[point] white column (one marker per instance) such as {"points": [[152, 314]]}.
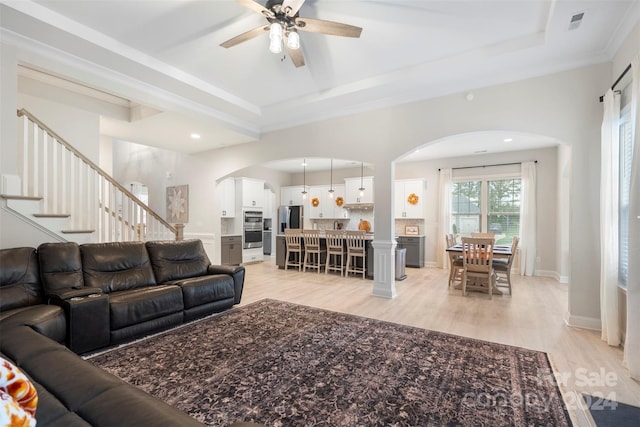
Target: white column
{"points": [[384, 244]]}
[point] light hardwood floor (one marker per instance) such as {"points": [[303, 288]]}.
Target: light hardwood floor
{"points": [[532, 318]]}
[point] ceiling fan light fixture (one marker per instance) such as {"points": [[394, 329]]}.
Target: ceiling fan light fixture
{"points": [[293, 40], [275, 38]]}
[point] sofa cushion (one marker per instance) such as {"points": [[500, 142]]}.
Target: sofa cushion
{"points": [[60, 266], [48, 320], [205, 289], [19, 279], [140, 305], [116, 266], [73, 392], [173, 260]]}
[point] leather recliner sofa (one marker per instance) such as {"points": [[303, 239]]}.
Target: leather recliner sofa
{"points": [[96, 295]]}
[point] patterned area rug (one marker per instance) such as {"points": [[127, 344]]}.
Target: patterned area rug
{"points": [[283, 364]]}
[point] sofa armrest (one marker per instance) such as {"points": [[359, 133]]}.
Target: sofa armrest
{"points": [[66, 294], [236, 272]]}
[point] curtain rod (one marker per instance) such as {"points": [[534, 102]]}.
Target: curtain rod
{"points": [[488, 166], [613, 86]]}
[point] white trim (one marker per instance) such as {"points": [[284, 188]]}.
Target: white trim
{"points": [[592, 323]]}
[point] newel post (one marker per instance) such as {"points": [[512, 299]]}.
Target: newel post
{"points": [[179, 231]]}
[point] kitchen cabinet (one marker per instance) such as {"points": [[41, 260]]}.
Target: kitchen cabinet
{"points": [[269, 204], [352, 190], [227, 192], [403, 208], [252, 255], [231, 253], [327, 208], [250, 192], [415, 250], [292, 196]]}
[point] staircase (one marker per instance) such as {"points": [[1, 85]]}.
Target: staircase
{"points": [[62, 192]]}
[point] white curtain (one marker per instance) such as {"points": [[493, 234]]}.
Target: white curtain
{"points": [[444, 214], [632, 340], [609, 176], [528, 219]]}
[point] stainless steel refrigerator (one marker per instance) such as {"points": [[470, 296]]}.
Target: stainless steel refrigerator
{"points": [[290, 217]]}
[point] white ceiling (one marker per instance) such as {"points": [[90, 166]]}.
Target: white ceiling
{"points": [[165, 54]]}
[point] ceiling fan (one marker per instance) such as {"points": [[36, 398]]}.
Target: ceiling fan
{"points": [[284, 24]]}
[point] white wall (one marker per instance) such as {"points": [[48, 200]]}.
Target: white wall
{"points": [[78, 127]]}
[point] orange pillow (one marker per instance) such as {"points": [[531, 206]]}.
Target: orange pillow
{"points": [[18, 397]]}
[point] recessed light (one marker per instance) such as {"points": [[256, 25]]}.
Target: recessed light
{"points": [[195, 135], [508, 139]]}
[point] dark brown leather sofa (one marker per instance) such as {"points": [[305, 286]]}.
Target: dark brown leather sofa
{"points": [[96, 295]]}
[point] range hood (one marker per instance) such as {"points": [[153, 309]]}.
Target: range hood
{"points": [[358, 206]]}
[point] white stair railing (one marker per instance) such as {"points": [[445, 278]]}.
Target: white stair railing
{"points": [[72, 185]]}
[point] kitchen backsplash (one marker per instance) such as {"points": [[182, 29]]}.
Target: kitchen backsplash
{"points": [[347, 224]]}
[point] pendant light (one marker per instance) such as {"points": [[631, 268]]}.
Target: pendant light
{"points": [[331, 181], [304, 179], [361, 180]]}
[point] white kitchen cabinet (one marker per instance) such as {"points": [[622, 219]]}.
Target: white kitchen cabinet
{"points": [[269, 204], [227, 202], [318, 193], [403, 190], [251, 192], [252, 255], [352, 190], [327, 208], [292, 196], [338, 211]]}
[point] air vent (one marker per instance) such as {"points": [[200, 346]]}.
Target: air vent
{"points": [[576, 20]]}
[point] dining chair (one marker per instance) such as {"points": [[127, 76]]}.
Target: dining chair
{"points": [[502, 267], [356, 250], [484, 235], [335, 251], [454, 259], [477, 259], [293, 240], [312, 250]]}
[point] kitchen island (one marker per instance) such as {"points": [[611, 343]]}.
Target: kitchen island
{"points": [[281, 252]]}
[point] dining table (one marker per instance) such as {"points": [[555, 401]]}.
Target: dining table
{"points": [[499, 251]]}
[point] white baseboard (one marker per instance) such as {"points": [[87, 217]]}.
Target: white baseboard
{"points": [[582, 322]]}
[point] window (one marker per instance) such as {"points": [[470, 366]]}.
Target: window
{"points": [[626, 150], [487, 205]]}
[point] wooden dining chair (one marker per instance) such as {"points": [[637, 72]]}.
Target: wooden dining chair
{"points": [[484, 235], [312, 250], [455, 260], [477, 259], [293, 240], [335, 251], [356, 250], [502, 267]]}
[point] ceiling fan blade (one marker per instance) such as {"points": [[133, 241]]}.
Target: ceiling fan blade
{"points": [[296, 57], [256, 7], [245, 36], [291, 7], [328, 27]]}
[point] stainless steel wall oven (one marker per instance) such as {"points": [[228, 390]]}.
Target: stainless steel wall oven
{"points": [[252, 229]]}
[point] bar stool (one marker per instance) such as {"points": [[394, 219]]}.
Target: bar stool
{"points": [[356, 249], [293, 239], [312, 250], [335, 249]]}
